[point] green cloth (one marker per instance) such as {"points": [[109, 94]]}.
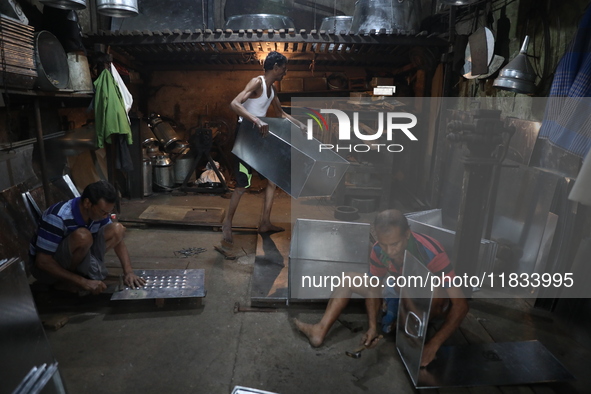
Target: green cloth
{"points": [[109, 110]]}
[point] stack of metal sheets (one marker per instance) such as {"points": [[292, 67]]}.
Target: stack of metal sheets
{"points": [[17, 50]]}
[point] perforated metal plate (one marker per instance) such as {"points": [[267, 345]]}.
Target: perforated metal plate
{"points": [[166, 284]]}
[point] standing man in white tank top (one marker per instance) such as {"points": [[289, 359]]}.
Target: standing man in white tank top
{"points": [[250, 104]]}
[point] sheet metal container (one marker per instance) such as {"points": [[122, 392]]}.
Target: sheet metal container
{"points": [[289, 159], [396, 16], [321, 247], [430, 223]]}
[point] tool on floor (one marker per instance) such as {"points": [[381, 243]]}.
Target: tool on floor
{"points": [[357, 352], [238, 308], [187, 252], [350, 326]]}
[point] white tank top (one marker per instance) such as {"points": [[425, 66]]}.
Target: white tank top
{"points": [[259, 106]]}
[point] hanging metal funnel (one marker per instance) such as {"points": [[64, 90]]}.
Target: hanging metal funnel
{"points": [[518, 76]]}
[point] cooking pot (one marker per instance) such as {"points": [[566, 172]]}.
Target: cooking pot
{"points": [[396, 16], [259, 21], [117, 8], [337, 23], [52, 62]]}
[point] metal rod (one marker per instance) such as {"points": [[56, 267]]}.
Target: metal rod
{"points": [[41, 144]]}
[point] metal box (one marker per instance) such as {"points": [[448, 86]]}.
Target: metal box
{"points": [[286, 157], [322, 248]]}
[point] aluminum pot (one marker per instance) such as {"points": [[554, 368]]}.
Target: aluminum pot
{"points": [[117, 8], [163, 171], [259, 21], [52, 62], [396, 16], [65, 4], [337, 23]]}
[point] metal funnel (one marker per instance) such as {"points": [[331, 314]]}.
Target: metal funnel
{"points": [[518, 76]]}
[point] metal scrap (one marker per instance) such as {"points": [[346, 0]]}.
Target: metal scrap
{"points": [[188, 252]]}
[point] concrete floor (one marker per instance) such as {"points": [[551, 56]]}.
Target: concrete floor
{"points": [[185, 347]]}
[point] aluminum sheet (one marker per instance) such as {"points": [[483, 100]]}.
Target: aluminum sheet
{"points": [[492, 364], [289, 159], [189, 283], [413, 317], [524, 200], [320, 248], [22, 338], [430, 223]]}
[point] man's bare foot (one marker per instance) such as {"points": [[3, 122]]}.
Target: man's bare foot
{"points": [[270, 228], [227, 233], [311, 331]]}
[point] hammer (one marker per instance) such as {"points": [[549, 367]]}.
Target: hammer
{"points": [[357, 352]]}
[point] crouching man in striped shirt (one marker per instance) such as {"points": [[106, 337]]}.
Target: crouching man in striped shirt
{"points": [[72, 239], [394, 237]]}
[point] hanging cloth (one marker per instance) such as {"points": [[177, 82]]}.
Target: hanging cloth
{"points": [[127, 97], [567, 118], [109, 109]]}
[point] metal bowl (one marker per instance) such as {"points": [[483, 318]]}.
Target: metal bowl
{"points": [[65, 4], [259, 21], [337, 23], [52, 62]]}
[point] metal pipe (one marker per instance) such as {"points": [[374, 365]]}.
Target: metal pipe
{"points": [[41, 144]]}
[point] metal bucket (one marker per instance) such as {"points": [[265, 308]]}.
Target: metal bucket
{"points": [[182, 166], [52, 62], [117, 8], [163, 171], [80, 80], [396, 16], [65, 4], [337, 23]]}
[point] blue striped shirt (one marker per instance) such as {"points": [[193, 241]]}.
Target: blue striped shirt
{"points": [[59, 221]]}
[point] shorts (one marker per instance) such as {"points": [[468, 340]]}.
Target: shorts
{"points": [[243, 171], [92, 267]]}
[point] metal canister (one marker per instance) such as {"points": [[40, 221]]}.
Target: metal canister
{"points": [[166, 135], [147, 174], [163, 171]]}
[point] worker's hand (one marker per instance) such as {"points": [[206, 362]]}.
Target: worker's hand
{"points": [[370, 339], [95, 286], [133, 281], [262, 126], [429, 352]]}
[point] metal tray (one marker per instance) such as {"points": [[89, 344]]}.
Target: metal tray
{"points": [[166, 284], [289, 159]]}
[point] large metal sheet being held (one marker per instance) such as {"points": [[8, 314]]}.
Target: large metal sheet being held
{"points": [[321, 248], [189, 283], [287, 158]]}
